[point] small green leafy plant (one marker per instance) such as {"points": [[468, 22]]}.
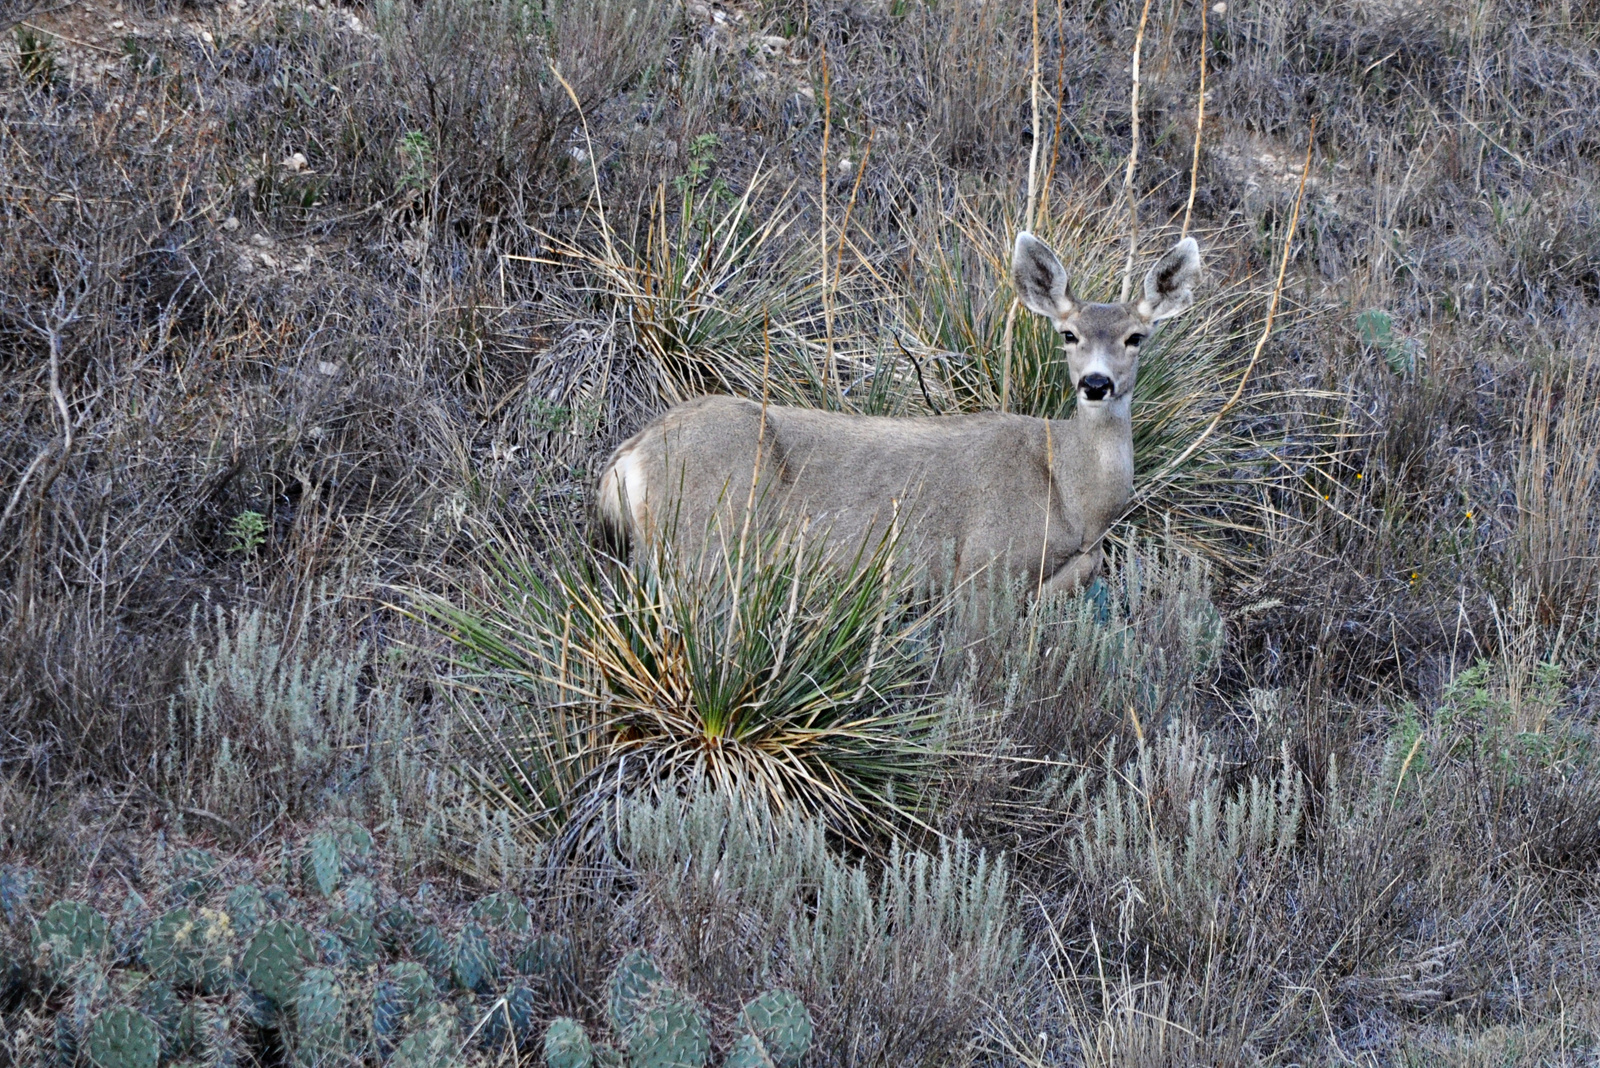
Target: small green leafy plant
{"points": [[416, 160], [1377, 332], [36, 58], [247, 532]]}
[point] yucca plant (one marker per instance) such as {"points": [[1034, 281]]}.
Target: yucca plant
{"points": [[716, 302], [764, 667]]}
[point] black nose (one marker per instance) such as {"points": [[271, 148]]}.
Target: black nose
{"points": [[1095, 387]]}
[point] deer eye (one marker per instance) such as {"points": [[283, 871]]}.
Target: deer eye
{"points": [[1069, 337], [1136, 340]]}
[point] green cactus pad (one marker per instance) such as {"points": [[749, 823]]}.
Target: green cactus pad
{"points": [[473, 965], [360, 940], [159, 1002], [397, 926], [203, 1031], [320, 865], [503, 912], [511, 1019], [430, 947], [780, 1020], [16, 891], [748, 1052], [68, 933], [633, 981], [122, 1038], [196, 872], [566, 1045], [413, 982], [433, 1046], [358, 895], [668, 1031], [355, 841], [276, 958], [319, 1009], [246, 907], [547, 957], [189, 947]]}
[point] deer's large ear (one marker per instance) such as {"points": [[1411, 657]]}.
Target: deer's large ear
{"points": [[1040, 279], [1169, 287]]}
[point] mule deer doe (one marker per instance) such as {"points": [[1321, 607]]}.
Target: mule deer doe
{"points": [[1029, 497]]}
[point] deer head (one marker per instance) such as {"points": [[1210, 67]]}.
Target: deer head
{"points": [[1102, 340]]}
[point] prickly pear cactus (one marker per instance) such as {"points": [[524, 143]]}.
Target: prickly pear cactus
{"points": [[634, 980], [319, 1009], [68, 933], [277, 957], [160, 1004], [511, 1020], [354, 840], [547, 957], [16, 890], [205, 1032], [355, 931], [122, 1038], [196, 872], [414, 983], [473, 965], [780, 1020], [246, 907], [434, 952], [668, 1031], [748, 1052], [397, 927], [321, 865], [359, 896], [566, 1045], [190, 947], [433, 1046], [502, 912]]}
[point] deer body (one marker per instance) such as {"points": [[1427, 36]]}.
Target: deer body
{"points": [[1015, 496]]}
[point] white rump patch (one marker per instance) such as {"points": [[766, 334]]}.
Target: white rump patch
{"points": [[623, 492]]}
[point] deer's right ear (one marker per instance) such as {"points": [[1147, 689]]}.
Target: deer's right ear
{"points": [[1040, 279]]}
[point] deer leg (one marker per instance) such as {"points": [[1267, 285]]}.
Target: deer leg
{"points": [[1075, 574]]}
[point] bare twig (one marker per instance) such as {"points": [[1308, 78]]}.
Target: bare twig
{"points": [[1061, 99], [1199, 125], [594, 171], [1033, 156], [1266, 330], [1033, 195], [916, 365], [844, 226], [829, 370], [1133, 160]]}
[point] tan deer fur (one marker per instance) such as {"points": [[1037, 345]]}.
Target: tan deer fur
{"points": [[1016, 496]]}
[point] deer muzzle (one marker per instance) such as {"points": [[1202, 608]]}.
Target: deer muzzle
{"points": [[1096, 387]]}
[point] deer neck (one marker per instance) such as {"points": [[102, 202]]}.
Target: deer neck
{"points": [[1106, 428], [1103, 458]]}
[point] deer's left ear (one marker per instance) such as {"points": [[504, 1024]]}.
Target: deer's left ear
{"points": [[1169, 287]]}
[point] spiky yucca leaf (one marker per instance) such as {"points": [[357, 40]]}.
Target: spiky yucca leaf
{"points": [[772, 669]]}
